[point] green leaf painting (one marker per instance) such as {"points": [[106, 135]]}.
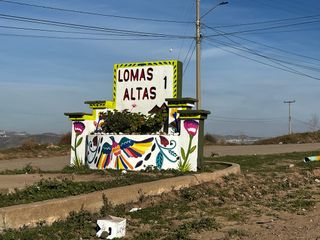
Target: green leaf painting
{"points": [[79, 142], [192, 149], [183, 154]]}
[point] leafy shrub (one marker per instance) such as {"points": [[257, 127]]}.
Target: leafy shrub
{"points": [[209, 138], [129, 123], [65, 139], [29, 144]]}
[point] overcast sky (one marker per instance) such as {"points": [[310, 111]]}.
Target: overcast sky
{"points": [[255, 55]]}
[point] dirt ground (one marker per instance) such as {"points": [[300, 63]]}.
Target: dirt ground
{"points": [[271, 202], [268, 220], [275, 197]]}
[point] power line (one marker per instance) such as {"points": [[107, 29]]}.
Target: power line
{"points": [[278, 61], [268, 46], [190, 47], [81, 38], [264, 28], [183, 40], [94, 13], [191, 55], [87, 27], [264, 63], [56, 31], [266, 22]]}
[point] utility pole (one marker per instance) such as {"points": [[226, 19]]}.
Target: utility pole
{"points": [[289, 103], [198, 57], [198, 48]]}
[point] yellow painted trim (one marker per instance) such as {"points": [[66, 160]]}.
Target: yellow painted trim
{"points": [[88, 117], [111, 104], [76, 119], [190, 117], [181, 105], [103, 105]]}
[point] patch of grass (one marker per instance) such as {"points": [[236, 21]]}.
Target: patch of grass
{"points": [[188, 194], [294, 201], [49, 189], [235, 216], [183, 231], [236, 232], [76, 226], [151, 214], [148, 235], [264, 163]]}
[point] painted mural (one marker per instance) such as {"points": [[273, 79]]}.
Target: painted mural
{"points": [[191, 126], [78, 128], [132, 152]]}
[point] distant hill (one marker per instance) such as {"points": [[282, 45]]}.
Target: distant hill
{"points": [[230, 139], [16, 139], [306, 137]]}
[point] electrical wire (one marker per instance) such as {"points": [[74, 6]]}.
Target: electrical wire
{"points": [[191, 55], [82, 38], [94, 13], [267, 22], [57, 31], [274, 60], [186, 57], [264, 63], [268, 46], [279, 61], [87, 27], [183, 40], [265, 28]]}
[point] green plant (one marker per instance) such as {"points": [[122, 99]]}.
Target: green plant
{"points": [[234, 232], [183, 231], [106, 207], [29, 144], [65, 139], [129, 123], [210, 139], [148, 235]]}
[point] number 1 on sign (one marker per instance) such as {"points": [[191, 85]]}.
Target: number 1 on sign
{"points": [[165, 82]]}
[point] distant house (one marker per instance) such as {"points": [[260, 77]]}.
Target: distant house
{"points": [[3, 134]]}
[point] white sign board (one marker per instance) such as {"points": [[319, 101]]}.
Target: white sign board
{"points": [[139, 87]]}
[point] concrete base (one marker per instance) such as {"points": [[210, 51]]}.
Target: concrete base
{"points": [[55, 209]]}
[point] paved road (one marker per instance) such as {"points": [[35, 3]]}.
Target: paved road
{"points": [[8, 183], [57, 163], [259, 149]]}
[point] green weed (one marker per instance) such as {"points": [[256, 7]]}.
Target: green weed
{"points": [[235, 232]]}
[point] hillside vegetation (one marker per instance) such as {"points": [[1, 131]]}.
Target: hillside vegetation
{"points": [[306, 137]]}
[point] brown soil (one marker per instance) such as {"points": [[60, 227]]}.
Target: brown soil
{"points": [[254, 205], [37, 151]]}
